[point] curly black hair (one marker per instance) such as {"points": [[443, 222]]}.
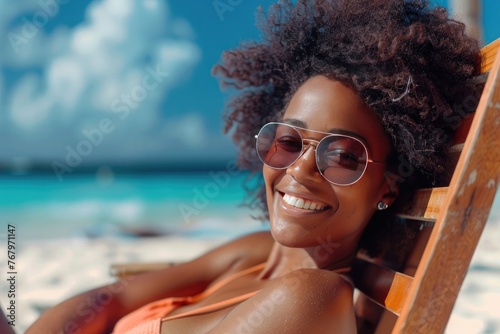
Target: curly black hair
{"points": [[408, 61]]}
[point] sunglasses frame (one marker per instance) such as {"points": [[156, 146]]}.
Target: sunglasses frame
{"points": [[305, 148]]}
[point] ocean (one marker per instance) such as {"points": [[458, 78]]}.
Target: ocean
{"points": [[104, 204]]}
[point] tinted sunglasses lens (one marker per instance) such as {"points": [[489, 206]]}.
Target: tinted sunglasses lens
{"points": [[278, 145], [341, 160]]}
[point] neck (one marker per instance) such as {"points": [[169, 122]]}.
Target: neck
{"points": [[283, 260], [343, 262]]}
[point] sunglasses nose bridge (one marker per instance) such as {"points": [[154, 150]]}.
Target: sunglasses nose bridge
{"points": [[305, 166], [306, 145]]}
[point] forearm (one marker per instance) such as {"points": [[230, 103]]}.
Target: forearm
{"points": [[89, 312]]}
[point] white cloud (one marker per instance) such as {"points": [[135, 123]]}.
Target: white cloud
{"points": [[3, 114], [84, 70], [66, 83], [27, 107], [188, 130]]}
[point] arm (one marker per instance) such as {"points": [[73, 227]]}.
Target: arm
{"points": [[303, 301], [97, 310]]}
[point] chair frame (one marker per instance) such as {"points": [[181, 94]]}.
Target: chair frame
{"points": [[459, 225], [421, 296]]}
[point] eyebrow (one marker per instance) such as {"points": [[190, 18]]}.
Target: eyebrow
{"points": [[301, 124]]}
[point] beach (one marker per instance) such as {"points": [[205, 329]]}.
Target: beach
{"points": [[50, 271]]}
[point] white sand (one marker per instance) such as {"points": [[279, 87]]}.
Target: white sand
{"points": [[477, 308], [51, 271]]}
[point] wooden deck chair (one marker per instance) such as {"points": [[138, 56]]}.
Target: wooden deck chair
{"points": [[419, 299]]}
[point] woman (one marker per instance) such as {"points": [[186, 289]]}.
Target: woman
{"points": [[342, 95]]}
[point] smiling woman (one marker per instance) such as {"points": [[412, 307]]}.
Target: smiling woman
{"points": [[343, 92]]}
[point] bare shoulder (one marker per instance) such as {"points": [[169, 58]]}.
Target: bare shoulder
{"points": [[261, 238], [302, 301], [307, 281], [316, 292]]}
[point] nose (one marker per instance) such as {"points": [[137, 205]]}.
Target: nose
{"points": [[305, 168]]}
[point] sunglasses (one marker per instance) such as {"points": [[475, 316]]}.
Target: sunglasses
{"points": [[341, 159]]}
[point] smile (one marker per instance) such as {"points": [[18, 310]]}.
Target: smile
{"points": [[301, 203]]}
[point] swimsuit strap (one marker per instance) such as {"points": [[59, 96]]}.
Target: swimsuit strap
{"points": [[213, 307], [226, 280]]}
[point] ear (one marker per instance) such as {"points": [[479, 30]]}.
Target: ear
{"points": [[390, 188]]}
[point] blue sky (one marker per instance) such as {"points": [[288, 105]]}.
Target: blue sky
{"points": [[121, 81]]}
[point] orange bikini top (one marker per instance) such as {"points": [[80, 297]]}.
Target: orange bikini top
{"points": [[148, 319]]}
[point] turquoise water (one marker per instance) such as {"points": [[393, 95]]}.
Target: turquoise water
{"points": [[105, 203]]}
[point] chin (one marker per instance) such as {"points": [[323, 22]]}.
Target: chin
{"points": [[290, 236]]}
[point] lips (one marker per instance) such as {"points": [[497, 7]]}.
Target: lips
{"points": [[302, 203]]}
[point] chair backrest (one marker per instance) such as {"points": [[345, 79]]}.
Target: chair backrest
{"points": [[420, 297]]}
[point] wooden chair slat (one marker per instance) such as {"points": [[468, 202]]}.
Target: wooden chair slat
{"points": [[398, 292], [384, 286], [426, 204], [489, 53]]}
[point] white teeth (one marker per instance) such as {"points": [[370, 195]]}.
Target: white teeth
{"points": [[301, 203]]}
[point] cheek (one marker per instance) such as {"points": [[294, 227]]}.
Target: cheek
{"points": [[359, 202], [355, 211], [270, 178]]}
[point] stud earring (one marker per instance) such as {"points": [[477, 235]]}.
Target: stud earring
{"points": [[382, 206]]}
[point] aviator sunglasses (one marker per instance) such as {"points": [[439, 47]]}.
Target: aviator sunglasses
{"points": [[341, 159]]}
